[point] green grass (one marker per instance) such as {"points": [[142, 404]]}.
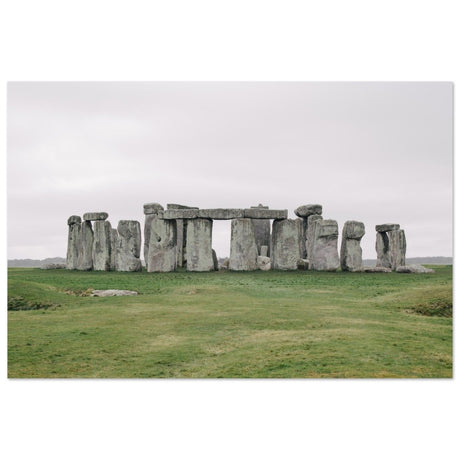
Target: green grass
{"points": [[224, 324]]}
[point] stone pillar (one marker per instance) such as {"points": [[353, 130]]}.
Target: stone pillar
{"points": [[73, 242], [128, 246], [304, 212], [162, 246], [310, 234], [150, 210], [243, 247], [351, 254], [199, 245], [397, 248], [382, 245], [262, 231], [285, 244], [85, 259], [324, 255], [102, 248], [113, 245]]}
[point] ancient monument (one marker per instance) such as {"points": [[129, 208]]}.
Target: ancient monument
{"points": [[261, 239]]}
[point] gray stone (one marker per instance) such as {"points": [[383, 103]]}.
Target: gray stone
{"points": [[382, 247], [162, 246], [397, 240], [102, 249], [414, 268], [113, 244], [53, 266], [308, 210], [179, 206], [285, 250], [152, 208], [95, 216], [324, 255], [85, 258], [180, 214], [310, 233], [73, 242], [386, 227], [262, 232], [224, 264], [199, 248], [243, 248], [264, 251], [351, 254], [377, 269], [258, 213], [128, 249], [215, 260], [264, 263], [220, 214], [111, 292]]}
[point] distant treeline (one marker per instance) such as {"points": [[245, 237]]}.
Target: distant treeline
{"points": [[418, 260], [34, 263]]}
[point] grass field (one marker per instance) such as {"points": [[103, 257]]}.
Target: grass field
{"points": [[226, 324]]}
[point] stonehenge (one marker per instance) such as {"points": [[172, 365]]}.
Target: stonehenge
{"points": [[180, 237]]}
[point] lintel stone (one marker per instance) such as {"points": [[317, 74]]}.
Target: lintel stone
{"points": [[386, 227], [95, 216]]}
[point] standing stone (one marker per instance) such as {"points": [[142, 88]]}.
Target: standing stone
{"points": [[285, 244], [264, 251], [382, 247], [199, 245], [128, 246], [351, 254], [150, 210], [304, 212], [243, 247], [310, 234], [73, 242], [113, 244], [85, 259], [264, 263], [397, 240], [325, 256], [102, 249], [262, 231], [215, 260], [162, 246]]}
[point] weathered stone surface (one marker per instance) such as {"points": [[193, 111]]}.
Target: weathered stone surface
{"points": [[285, 250], [303, 225], [215, 260], [113, 244], [243, 248], [85, 258], [128, 247], [95, 216], [162, 246], [310, 234], [199, 249], [386, 227], [152, 208], [73, 242], [302, 264], [308, 210], [74, 220], [224, 264], [180, 214], [350, 251], [179, 206], [324, 255], [414, 268], [262, 232], [377, 269], [53, 266], [264, 263], [264, 251], [220, 214], [397, 241], [111, 292], [258, 213], [382, 247], [102, 249]]}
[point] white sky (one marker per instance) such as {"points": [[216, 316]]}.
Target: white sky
{"points": [[373, 152]]}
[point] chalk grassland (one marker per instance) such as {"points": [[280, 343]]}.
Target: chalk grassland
{"points": [[224, 324]]}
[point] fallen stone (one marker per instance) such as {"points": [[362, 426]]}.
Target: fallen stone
{"points": [[414, 268], [243, 248], [102, 249], [351, 259], [152, 208], [264, 263], [324, 255], [95, 216], [73, 242], [128, 248], [85, 257], [386, 227], [111, 292], [308, 210], [377, 270], [285, 248], [199, 249], [53, 266]]}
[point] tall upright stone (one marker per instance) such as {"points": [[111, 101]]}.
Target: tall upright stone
{"points": [[243, 247], [285, 244], [199, 245], [304, 212], [162, 246], [261, 231], [85, 258], [151, 210], [325, 256], [351, 254], [113, 244], [310, 234], [382, 247], [73, 242], [128, 246], [102, 248], [397, 240]]}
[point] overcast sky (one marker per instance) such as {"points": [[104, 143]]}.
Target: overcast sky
{"points": [[373, 152]]}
